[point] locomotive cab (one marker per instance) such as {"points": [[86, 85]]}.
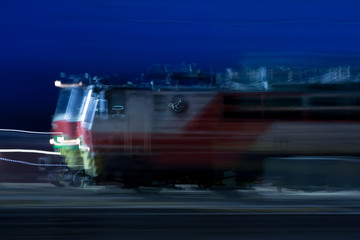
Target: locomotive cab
{"points": [[74, 114], [67, 111]]}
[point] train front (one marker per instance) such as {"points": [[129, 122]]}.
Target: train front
{"points": [[71, 124]]}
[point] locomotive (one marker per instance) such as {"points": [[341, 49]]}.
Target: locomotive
{"points": [[142, 135]]}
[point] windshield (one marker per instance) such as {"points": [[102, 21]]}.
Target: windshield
{"points": [[62, 103], [69, 103]]}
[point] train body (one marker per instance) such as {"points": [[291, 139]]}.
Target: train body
{"points": [[140, 135]]}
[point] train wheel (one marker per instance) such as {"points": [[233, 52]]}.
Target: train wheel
{"points": [[55, 179], [80, 179]]}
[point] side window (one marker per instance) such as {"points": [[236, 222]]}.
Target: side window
{"points": [[243, 107], [263, 107], [283, 102], [339, 107], [283, 108], [333, 101]]}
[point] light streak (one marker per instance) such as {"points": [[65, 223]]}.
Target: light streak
{"points": [[86, 148], [38, 164], [29, 151], [86, 105], [25, 131], [63, 85], [61, 141]]}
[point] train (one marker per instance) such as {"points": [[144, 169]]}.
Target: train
{"points": [[198, 134]]}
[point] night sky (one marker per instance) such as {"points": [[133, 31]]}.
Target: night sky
{"points": [[41, 38]]}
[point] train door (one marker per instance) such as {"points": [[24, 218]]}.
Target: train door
{"points": [[128, 125], [116, 126], [139, 107]]}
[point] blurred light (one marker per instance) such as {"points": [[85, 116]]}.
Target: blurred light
{"points": [[85, 148], [38, 164], [86, 105], [24, 131], [29, 151], [63, 85], [62, 141]]}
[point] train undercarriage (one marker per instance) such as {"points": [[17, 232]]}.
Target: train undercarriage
{"points": [[293, 172], [62, 176]]}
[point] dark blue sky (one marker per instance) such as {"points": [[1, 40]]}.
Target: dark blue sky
{"points": [[39, 39]]}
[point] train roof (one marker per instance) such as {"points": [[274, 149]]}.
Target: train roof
{"points": [[353, 87], [183, 81]]}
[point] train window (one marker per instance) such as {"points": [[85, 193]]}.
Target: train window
{"points": [[263, 108], [283, 102], [238, 107], [243, 114], [74, 104], [243, 101], [69, 103], [63, 100], [330, 101], [343, 114], [284, 115]]}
